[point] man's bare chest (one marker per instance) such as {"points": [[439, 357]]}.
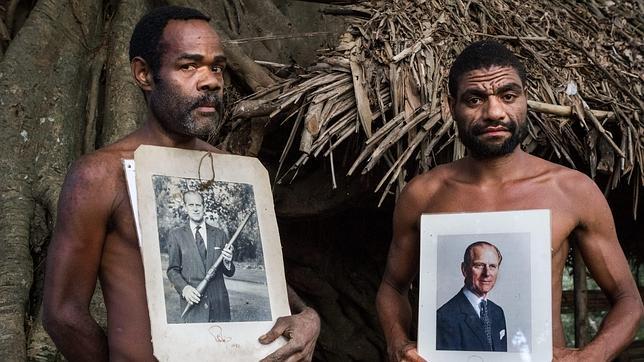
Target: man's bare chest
{"points": [[563, 218]]}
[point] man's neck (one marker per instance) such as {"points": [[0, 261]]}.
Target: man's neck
{"points": [[194, 224], [496, 170], [484, 296], [154, 134]]}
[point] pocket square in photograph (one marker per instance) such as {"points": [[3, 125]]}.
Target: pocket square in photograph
{"points": [[217, 248], [502, 334]]}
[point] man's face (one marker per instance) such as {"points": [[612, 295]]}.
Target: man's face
{"points": [[194, 205], [186, 97], [480, 275], [490, 110]]}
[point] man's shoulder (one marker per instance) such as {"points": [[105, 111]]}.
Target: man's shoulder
{"points": [[494, 305], [571, 183], [99, 168], [452, 305], [541, 166], [111, 156], [216, 231], [212, 227], [430, 182], [179, 229]]}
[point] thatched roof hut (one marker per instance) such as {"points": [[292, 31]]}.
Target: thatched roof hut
{"points": [[385, 87]]}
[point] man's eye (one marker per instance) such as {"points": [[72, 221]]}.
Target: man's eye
{"points": [[509, 97], [188, 66], [474, 101], [217, 69]]}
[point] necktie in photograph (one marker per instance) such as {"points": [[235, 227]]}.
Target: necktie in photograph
{"points": [[201, 246], [487, 325]]}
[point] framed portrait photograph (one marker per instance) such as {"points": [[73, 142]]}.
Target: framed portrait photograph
{"points": [[211, 252], [485, 288]]}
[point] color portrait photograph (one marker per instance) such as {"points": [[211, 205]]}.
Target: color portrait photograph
{"points": [[483, 292], [485, 286]]}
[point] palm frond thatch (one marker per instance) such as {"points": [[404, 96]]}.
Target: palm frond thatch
{"points": [[385, 83]]}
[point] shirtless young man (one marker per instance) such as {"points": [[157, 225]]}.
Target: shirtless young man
{"points": [[488, 103], [178, 61]]}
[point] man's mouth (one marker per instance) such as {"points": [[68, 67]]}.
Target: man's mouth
{"points": [[206, 109], [494, 130]]}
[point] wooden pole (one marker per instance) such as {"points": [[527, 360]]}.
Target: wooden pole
{"points": [[581, 299]]}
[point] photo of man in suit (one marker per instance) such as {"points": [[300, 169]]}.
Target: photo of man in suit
{"points": [[470, 321], [192, 250]]}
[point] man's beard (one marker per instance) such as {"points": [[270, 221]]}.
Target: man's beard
{"points": [[175, 112], [481, 149]]}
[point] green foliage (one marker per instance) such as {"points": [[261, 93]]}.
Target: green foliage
{"points": [[225, 203]]}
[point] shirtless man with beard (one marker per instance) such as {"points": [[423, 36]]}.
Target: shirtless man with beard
{"points": [[487, 86], [178, 61]]}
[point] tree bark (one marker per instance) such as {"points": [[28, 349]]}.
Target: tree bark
{"points": [[40, 136], [124, 102]]}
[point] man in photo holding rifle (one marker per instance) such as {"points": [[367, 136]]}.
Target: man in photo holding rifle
{"points": [[192, 250]]}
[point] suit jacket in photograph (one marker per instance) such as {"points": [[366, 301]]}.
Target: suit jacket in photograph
{"points": [[185, 267], [459, 328]]}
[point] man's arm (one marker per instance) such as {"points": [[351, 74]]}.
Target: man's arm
{"points": [[597, 240], [175, 267], [504, 339], [73, 261], [392, 302], [301, 330], [175, 262], [447, 335]]}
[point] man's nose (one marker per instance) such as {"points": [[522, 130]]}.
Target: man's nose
{"points": [[494, 109], [211, 81]]}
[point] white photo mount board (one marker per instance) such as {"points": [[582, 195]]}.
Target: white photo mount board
{"points": [[536, 223], [230, 341]]}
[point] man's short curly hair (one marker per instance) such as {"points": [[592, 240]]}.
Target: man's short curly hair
{"points": [[146, 37], [482, 55]]}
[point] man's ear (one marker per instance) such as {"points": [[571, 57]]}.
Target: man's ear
{"points": [[142, 73], [451, 101], [463, 269]]}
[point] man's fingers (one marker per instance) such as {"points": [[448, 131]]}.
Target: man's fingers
{"points": [[191, 295], [289, 349], [297, 357], [275, 332], [410, 354]]}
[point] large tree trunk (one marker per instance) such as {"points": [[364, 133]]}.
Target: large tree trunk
{"points": [[124, 102], [44, 77]]}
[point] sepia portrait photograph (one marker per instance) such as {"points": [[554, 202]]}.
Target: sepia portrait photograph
{"points": [[482, 287], [214, 273], [196, 228]]}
